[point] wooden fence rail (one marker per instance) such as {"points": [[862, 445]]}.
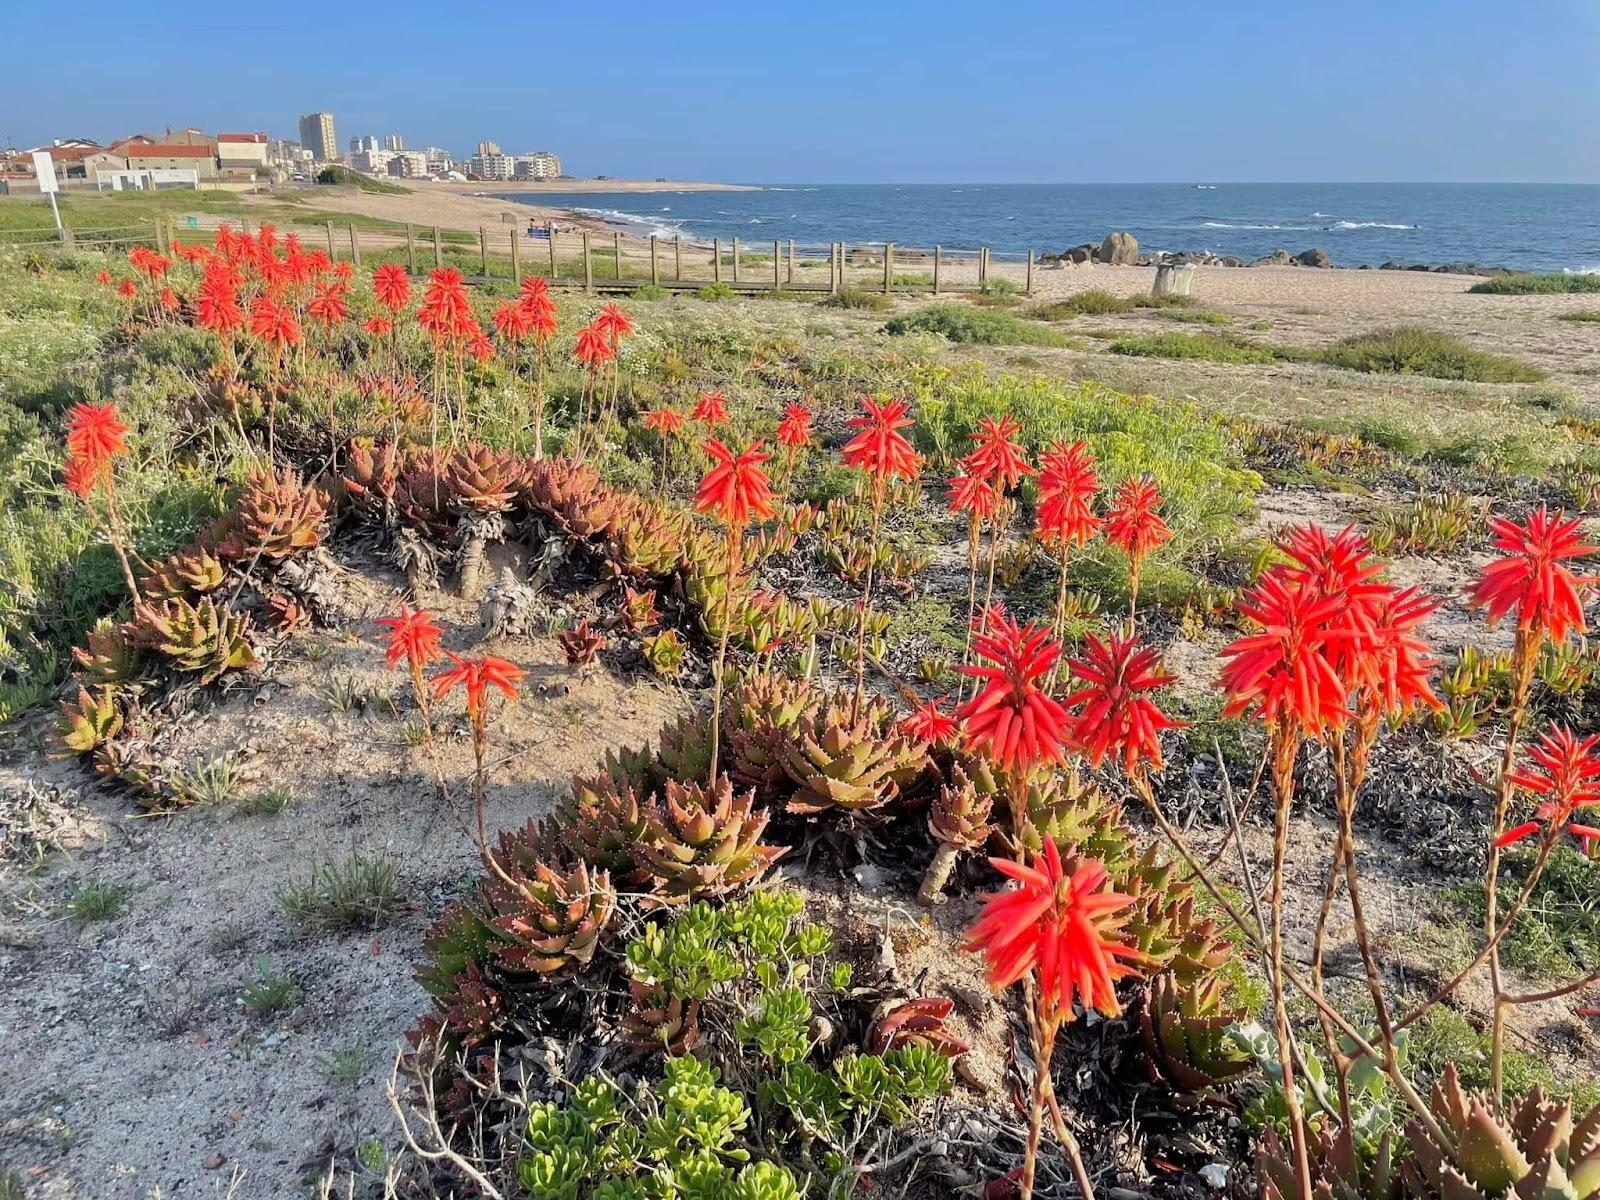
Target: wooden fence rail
{"points": [[572, 260]]}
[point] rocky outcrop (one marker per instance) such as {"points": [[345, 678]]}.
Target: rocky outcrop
{"points": [[1119, 249], [1278, 258], [1314, 257]]}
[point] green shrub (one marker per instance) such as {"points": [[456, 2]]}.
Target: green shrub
{"points": [[962, 323], [1591, 315], [359, 892], [1409, 350], [649, 291], [1194, 462], [1207, 347], [1197, 316], [715, 291], [1537, 284], [336, 174], [1095, 302], [852, 297]]}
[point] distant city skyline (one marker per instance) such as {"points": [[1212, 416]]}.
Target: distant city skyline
{"points": [[893, 92]]}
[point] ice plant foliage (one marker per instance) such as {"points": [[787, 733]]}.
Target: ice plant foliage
{"points": [[1565, 773], [1532, 580], [1014, 719], [1115, 716]]}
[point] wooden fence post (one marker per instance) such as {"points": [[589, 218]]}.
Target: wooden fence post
{"points": [[550, 239], [983, 268], [438, 248], [655, 264], [791, 260], [355, 245], [411, 248], [833, 267], [736, 260], [332, 251], [1028, 286], [716, 260], [777, 265], [516, 255], [616, 253], [888, 267], [938, 261], [588, 264], [677, 256], [483, 248]]}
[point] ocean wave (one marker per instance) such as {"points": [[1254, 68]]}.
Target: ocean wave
{"points": [[1248, 225], [1368, 225], [651, 226]]}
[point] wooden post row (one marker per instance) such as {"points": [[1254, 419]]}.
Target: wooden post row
{"points": [[777, 265], [938, 261], [355, 246], [516, 255], [411, 248], [438, 249], [588, 264]]}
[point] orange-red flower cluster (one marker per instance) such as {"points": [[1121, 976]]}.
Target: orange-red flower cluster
{"points": [[593, 348], [1566, 773], [1115, 716], [666, 420], [972, 495], [996, 456], [1133, 522], [391, 286], [794, 430], [1532, 579], [1331, 633], [478, 675], [414, 637], [735, 489], [880, 449], [95, 437], [929, 723], [1067, 487], [1013, 719], [1064, 927], [711, 409]]}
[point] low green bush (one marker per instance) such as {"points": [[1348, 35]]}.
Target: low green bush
{"points": [[1410, 350], [1537, 284], [1207, 347], [963, 323]]}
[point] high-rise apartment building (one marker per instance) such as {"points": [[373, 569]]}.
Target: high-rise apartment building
{"points": [[317, 136], [393, 141]]}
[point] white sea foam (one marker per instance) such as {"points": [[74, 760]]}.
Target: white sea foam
{"points": [[1369, 225]]}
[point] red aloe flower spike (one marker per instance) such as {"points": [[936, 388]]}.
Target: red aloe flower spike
{"points": [[412, 636], [1531, 579], [666, 420], [996, 456], [735, 489], [711, 409], [1566, 772], [95, 434], [1115, 716], [929, 723], [1285, 671], [794, 431], [1134, 525], [1015, 721], [478, 675], [880, 449], [1061, 927]]}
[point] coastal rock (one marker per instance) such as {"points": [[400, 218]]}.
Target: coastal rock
{"points": [[1278, 258], [1080, 254], [1228, 260], [1119, 249], [1314, 257]]}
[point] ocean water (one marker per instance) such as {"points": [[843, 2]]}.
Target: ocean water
{"points": [[1536, 226]]}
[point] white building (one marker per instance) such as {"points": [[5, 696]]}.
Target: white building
{"points": [[393, 141], [359, 145], [492, 166], [541, 164], [440, 161]]}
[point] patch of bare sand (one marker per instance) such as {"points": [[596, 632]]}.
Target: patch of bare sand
{"points": [[130, 1066]]}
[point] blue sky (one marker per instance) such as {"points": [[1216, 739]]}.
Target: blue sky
{"points": [[868, 91]]}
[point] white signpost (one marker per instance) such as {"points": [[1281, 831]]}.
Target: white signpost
{"points": [[44, 168]]}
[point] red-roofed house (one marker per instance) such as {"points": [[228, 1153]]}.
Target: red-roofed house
{"points": [[241, 155], [159, 157]]}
